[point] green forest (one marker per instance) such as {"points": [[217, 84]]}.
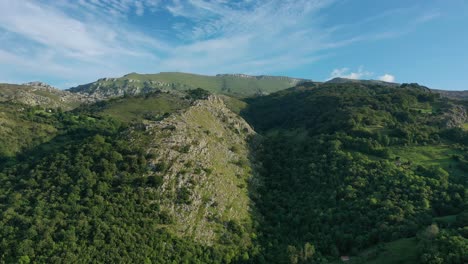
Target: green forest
{"points": [[339, 176], [82, 196], [373, 172]]}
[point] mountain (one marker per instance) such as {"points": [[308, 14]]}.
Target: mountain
{"points": [[347, 166], [40, 94], [239, 85], [171, 168], [144, 187], [462, 95], [367, 82]]}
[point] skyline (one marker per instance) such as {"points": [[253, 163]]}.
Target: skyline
{"points": [[66, 43]]}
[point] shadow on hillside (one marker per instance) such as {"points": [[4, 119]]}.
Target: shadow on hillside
{"points": [[54, 145]]}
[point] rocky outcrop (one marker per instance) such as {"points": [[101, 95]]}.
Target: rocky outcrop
{"points": [[111, 87], [41, 85], [41, 94], [458, 95], [455, 116], [202, 155]]}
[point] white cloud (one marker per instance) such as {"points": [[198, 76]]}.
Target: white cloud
{"points": [[359, 74], [51, 28], [387, 78], [250, 36], [83, 40], [346, 73], [42, 39], [222, 36], [213, 18]]}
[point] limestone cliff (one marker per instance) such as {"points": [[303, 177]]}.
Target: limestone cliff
{"points": [[202, 155]]}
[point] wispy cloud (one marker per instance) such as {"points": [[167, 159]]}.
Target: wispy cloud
{"points": [[346, 73], [248, 36], [47, 27], [120, 8], [43, 38], [81, 40]]}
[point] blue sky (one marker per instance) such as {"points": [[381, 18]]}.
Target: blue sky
{"points": [[70, 42]]}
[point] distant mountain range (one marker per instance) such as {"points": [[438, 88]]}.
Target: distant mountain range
{"points": [[375, 82], [236, 85], [240, 85]]}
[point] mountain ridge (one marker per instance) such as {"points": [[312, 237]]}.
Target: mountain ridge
{"points": [[237, 85], [240, 85]]}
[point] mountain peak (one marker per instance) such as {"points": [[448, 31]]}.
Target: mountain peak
{"points": [[38, 84], [347, 80], [260, 77]]}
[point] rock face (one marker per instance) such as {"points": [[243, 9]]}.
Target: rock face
{"points": [[41, 85], [202, 155], [459, 95], [111, 87], [41, 94], [231, 84], [455, 116]]}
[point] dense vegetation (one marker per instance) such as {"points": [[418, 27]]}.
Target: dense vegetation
{"points": [[84, 194], [370, 171], [19, 130], [333, 184]]}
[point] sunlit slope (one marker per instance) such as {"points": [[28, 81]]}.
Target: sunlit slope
{"points": [[237, 85]]}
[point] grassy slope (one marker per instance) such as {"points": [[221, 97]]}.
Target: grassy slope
{"points": [[447, 220], [23, 127], [402, 251], [139, 108], [231, 85], [18, 133], [234, 104], [431, 155]]}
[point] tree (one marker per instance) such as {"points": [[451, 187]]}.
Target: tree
{"points": [[309, 251], [24, 260], [293, 254], [431, 232]]}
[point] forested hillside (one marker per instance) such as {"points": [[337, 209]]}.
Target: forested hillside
{"points": [[112, 182], [368, 170], [350, 166]]}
